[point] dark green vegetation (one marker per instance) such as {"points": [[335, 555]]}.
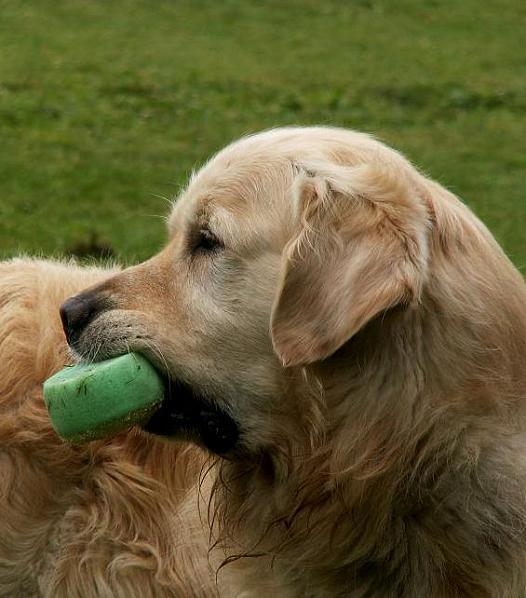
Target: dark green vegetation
{"points": [[106, 106]]}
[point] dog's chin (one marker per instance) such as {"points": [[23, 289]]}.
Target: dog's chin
{"points": [[186, 415]]}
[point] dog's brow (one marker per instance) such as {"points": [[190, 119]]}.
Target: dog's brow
{"points": [[200, 218], [185, 216], [204, 217]]}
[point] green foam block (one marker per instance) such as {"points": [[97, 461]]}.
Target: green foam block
{"points": [[89, 401]]}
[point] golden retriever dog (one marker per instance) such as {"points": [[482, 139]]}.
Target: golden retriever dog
{"points": [[101, 520], [343, 345]]}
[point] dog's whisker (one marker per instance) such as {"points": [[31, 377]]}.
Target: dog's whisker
{"points": [[157, 352]]}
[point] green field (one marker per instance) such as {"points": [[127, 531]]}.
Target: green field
{"points": [[105, 106]]}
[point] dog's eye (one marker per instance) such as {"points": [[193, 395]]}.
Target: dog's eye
{"points": [[206, 242]]}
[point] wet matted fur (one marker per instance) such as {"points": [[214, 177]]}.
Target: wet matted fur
{"points": [[367, 336]]}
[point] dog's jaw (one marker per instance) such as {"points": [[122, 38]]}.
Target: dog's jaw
{"points": [[185, 415]]}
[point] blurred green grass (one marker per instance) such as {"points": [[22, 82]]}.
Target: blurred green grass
{"points": [[105, 107]]}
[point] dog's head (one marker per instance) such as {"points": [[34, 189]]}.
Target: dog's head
{"points": [[281, 249]]}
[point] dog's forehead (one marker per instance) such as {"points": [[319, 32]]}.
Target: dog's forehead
{"points": [[204, 204], [234, 189]]}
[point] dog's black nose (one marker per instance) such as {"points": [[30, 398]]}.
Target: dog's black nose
{"points": [[76, 312]]}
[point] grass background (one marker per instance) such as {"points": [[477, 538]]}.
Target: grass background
{"points": [[105, 106]]}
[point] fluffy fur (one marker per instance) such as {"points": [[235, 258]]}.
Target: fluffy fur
{"points": [[367, 334], [105, 519]]}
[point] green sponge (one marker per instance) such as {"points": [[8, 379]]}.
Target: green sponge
{"points": [[89, 401]]}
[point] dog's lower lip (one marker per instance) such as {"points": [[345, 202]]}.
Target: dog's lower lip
{"points": [[186, 415]]}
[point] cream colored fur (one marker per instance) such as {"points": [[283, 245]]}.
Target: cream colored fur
{"points": [[106, 519], [368, 335]]}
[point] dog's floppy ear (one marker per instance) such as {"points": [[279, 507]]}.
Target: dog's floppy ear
{"points": [[360, 249]]}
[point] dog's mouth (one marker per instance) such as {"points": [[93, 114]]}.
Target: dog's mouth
{"points": [[185, 414]]}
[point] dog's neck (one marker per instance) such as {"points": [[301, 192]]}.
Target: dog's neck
{"points": [[312, 509], [397, 421]]}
